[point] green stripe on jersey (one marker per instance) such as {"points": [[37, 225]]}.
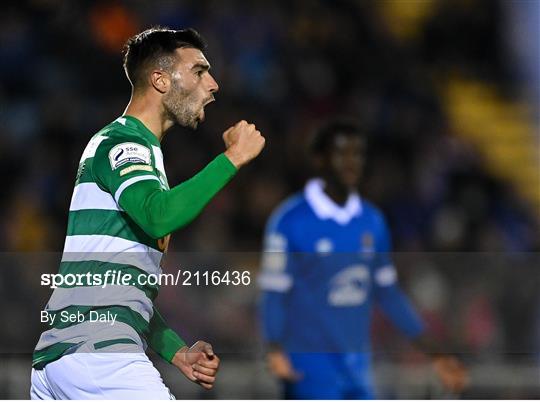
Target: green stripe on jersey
{"points": [[94, 268], [84, 173], [123, 314], [107, 222], [104, 344], [50, 354]]}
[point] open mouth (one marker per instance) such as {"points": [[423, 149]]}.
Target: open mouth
{"points": [[206, 102]]}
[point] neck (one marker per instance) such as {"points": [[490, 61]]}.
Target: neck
{"points": [[150, 113], [338, 193]]}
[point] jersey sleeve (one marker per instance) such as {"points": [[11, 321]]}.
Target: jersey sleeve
{"points": [[277, 263], [121, 162], [276, 278], [393, 301], [162, 339], [139, 191]]}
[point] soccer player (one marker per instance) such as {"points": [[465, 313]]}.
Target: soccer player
{"points": [[325, 265], [120, 218]]}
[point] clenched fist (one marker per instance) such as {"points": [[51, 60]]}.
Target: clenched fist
{"points": [[199, 363], [452, 373], [280, 365], [244, 142]]}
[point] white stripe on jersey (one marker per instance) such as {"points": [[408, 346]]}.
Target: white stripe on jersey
{"points": [[131, 181], [110, 295], [112, 249], [277, 282], [386, 275], [90, 196], [91, 148], [96, 331]]}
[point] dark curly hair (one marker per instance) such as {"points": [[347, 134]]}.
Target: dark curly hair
{"points": [[326, 134], [156, 46]]}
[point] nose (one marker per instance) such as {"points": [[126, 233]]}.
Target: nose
{"points": [[212, 84]]}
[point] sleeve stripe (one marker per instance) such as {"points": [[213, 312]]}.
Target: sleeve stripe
{"points": [[386, 276], [129, 182], [275, 282]]}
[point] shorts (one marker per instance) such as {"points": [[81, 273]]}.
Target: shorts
{"points": [[91, 375]]}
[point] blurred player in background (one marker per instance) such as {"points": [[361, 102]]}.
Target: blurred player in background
{"points": [[121, 215], [326, 264]]}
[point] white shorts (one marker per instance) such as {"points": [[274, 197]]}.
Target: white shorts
{"points": [[99, 376]]}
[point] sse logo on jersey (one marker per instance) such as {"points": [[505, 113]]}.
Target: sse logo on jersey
{"points": [[128, 152]]}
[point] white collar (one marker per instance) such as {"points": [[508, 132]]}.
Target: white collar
{"points": [[325, 208]]}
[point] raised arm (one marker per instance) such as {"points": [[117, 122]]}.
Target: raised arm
{"points": [[158, 211]]}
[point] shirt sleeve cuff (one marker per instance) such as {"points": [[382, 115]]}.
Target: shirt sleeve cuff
{"points": [[226, 164]]}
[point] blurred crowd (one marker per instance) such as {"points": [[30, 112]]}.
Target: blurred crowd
{"points": [[286, 66]]}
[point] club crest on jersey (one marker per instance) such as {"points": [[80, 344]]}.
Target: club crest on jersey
{"points": [[128, 152], [367, 243]]}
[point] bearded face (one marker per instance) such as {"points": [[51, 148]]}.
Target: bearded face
{"points": [[191, 88], [183, 106]]}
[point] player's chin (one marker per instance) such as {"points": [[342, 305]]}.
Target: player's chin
{"points": [[196, 119], [351, 180], [350, 184], [193, 123]]}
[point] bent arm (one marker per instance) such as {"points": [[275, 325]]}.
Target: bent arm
{"points": [[393, 301], [398, 308], [272, 312], [162, 339], [275, 282], [159, 212]]}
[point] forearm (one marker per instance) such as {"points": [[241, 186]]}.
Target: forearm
{"points": [[162, 339], [400, 311], [273, 315], [160, 212]]}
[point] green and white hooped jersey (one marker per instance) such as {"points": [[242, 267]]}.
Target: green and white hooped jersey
{"points": [[101, 237]]}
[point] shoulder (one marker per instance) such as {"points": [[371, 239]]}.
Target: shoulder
{"points": [[110, 136], [116, 134], [288, 212], [374, 214], [281, 229], [120, 144], [378, 227]]}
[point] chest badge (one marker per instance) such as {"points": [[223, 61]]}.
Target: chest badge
{"points": [[367, 243]]}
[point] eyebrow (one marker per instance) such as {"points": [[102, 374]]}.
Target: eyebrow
{"points": [[203, 66]]}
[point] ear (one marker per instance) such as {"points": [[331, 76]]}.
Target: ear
{"points": [[160, 80]]}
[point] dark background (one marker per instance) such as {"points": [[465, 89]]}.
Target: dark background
{"points": [[448, 91]]}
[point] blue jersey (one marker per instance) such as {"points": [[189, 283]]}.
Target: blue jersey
{"points": [[324, 268]]}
